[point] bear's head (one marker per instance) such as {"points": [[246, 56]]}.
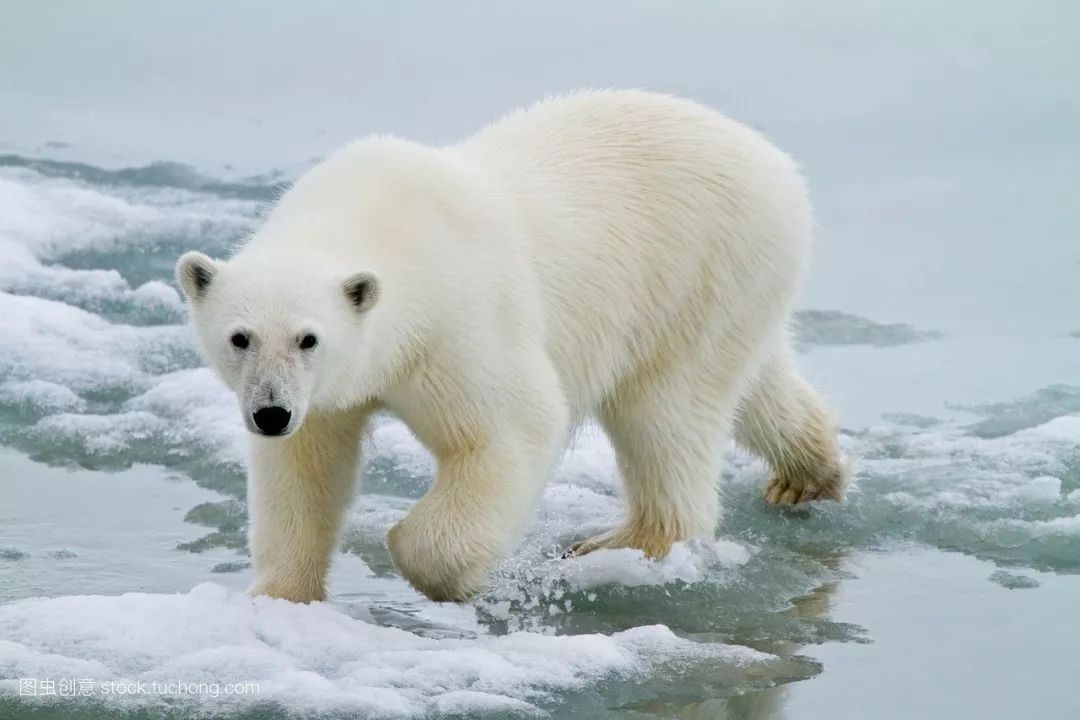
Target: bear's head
{"points": [[282, 334]]}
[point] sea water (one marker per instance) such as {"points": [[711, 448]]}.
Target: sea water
{"points": [[941, 318]]}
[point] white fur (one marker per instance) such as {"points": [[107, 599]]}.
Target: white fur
{"points": [[620, 255]]}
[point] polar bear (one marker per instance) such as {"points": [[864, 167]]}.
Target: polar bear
{"points": [[621, 256]]}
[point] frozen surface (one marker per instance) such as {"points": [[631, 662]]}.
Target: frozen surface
{"points": [[940, 319], [319, 658]]}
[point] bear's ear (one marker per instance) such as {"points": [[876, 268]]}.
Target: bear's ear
{"points": [[362, 290], [194, 272]]}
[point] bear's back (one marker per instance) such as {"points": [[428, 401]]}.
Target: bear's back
{"points": [[644, 213]]}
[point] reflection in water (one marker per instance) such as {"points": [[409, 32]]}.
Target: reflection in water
{"points": [[767, 703]]}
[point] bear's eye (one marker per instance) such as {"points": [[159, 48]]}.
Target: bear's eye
{"points": [[308, 341], [240, 340]]}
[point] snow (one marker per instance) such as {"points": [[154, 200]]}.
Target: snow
{"points": [[314, 658]]}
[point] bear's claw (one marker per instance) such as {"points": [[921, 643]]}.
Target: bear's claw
{"points": [[654, 545], [784, 491]]}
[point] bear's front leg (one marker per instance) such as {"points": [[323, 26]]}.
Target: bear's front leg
{"points": [[298, 490], [479, 504]]}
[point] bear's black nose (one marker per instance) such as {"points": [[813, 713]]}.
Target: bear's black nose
{"points": [[272, 420]]}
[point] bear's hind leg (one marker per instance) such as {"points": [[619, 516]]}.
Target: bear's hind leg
{"points": [[782, 420], [669, 442]]}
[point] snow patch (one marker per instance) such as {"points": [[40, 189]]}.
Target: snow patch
{"points": [[316, 658]]}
